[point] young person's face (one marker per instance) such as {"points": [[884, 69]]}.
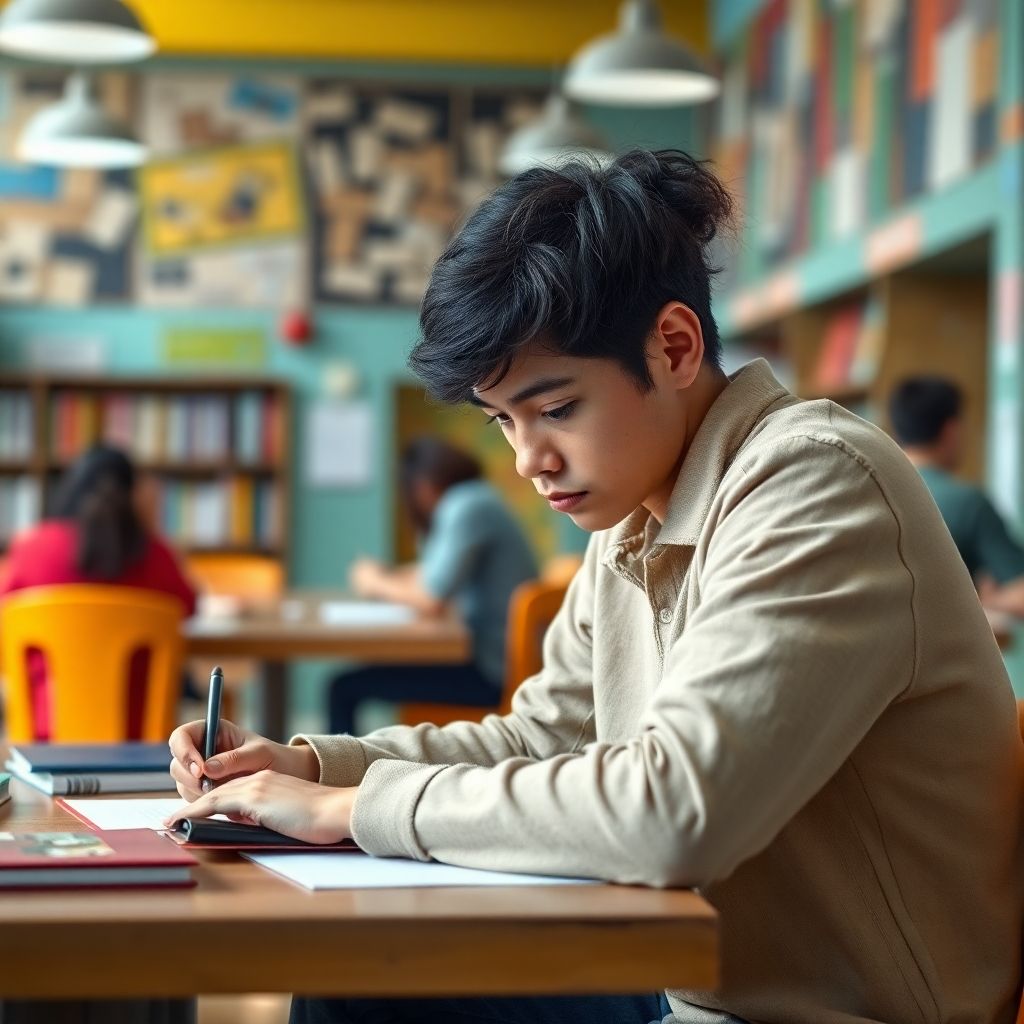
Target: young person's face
{"points": [[592, 442]]}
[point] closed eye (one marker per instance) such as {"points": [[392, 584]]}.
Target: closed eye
{"points": [[499, 418]]}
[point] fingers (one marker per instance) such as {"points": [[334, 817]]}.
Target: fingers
{"points": [[252, 756], [187, 784], [184, 747], [235, 798]]}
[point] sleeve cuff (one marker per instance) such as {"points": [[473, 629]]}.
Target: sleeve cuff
{"points": [[383, 816], [342, 762]]}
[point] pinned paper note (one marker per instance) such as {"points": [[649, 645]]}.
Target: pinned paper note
{"points": [[112, 218], [339, 444]]}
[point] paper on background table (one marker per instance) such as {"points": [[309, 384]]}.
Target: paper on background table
{"points": [[359, 871], [111, 815], [365, 613]]}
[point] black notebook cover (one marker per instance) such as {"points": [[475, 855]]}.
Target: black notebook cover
{"points": [[231, 835]]}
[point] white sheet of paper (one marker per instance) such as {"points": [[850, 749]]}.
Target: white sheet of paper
{"points": [[339, 444], [359, 871], [113, 815], [365, 613]]}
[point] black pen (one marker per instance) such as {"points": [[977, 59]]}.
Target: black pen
{"points": [[212, 720]]}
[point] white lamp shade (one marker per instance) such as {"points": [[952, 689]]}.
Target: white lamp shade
{"points": [[639, 65], [76, 132], [74, 31], [558, 135]]}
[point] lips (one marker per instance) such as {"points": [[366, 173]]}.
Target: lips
{"points": [[564, 501]]}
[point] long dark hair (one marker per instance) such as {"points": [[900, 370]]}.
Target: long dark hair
{"points": [[97, 494], [437, 462]]}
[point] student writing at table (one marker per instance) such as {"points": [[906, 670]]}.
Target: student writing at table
{"points": [[771, 678], [473, 555]]}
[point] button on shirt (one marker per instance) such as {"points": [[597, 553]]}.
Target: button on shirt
{"points": [[823, 738]]}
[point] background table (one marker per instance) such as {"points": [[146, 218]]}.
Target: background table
{"points": [[278, 632], [243, 929]]}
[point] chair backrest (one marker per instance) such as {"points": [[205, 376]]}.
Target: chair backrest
{"points": [[237, 575], [88, 634], [530, 610]]}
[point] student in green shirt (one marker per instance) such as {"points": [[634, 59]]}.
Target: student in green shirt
{"points": [[926, 418]]}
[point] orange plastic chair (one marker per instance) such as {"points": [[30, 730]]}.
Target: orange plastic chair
{"points": [[248, 578], [237, 575], [530, 610], [88, 633]]}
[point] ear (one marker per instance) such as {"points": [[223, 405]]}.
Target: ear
{"points": [[676, 346]]}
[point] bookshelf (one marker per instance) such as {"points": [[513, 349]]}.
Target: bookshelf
{"points": [[855, 347], [214, 450]]}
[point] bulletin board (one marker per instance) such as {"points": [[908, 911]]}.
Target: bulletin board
{"points": [[393, 172], [223, 197], [65, 235]]}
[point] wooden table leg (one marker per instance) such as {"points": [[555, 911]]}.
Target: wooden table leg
{"points": [[275, 700]]}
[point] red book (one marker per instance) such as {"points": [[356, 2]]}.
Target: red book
{"points": [[131, 857]]}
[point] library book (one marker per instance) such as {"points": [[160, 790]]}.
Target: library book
{"points": [[82, 769], [133, 857]]}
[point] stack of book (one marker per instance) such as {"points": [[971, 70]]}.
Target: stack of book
{"points": [[76, 769], [41, 860]]}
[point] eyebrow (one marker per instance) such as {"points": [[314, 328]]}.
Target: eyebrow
{"points": [[530, 391]]}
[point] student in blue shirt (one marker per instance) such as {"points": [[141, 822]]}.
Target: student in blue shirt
{"points": [[474, 555]]}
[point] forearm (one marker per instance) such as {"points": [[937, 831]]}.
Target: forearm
{"points": [[404, 586]]}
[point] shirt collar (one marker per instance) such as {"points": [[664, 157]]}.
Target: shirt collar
{"points": [[751, 391]]}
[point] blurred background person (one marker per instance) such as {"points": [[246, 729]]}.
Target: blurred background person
{"points": [[473, 555], [99, 533], [926, 416]]}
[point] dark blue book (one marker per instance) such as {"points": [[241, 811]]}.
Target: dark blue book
{"points": [[83, 768]]}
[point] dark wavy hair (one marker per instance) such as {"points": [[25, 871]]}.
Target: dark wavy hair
{"points": [[439, 463], [919, 407], [581, 258], [96, 493]]}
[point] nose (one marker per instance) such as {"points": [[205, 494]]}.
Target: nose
{"points": [[535, 455]]}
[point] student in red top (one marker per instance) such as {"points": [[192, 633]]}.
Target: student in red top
{"points": [[98, 535]]}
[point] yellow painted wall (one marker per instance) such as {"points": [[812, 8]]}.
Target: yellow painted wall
{"points": [[536, 33]]}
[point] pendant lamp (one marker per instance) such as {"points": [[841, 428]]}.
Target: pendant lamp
{"points": [[74, 31], [77, 132], [639, 65], [558, 135]]}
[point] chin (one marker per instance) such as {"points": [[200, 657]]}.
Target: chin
{"points": [[593, 520]]}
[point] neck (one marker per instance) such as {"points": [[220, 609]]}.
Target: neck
{"points": [[700, 396], [924, 458]]}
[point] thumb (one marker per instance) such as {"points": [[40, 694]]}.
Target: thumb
{"points": [[241, 760]]}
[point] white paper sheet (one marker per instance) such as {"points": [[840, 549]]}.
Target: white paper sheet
{"points": [[113, 815], [365, 613], [358, 871]]}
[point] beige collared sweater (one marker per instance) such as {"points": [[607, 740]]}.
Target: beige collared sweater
{"points": [[788, 696]]}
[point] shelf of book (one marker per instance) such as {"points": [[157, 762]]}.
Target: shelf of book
{"points": [[856, 347], [213, 451]]}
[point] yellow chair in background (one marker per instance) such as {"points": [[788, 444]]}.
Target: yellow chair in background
{"points": [[88, 634], [530, 610]]}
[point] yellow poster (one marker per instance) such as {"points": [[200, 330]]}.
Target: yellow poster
{"points": [[220, 197]]}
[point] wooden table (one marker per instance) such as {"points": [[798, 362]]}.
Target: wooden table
{"points": [[243, 929], [277, 633]]}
